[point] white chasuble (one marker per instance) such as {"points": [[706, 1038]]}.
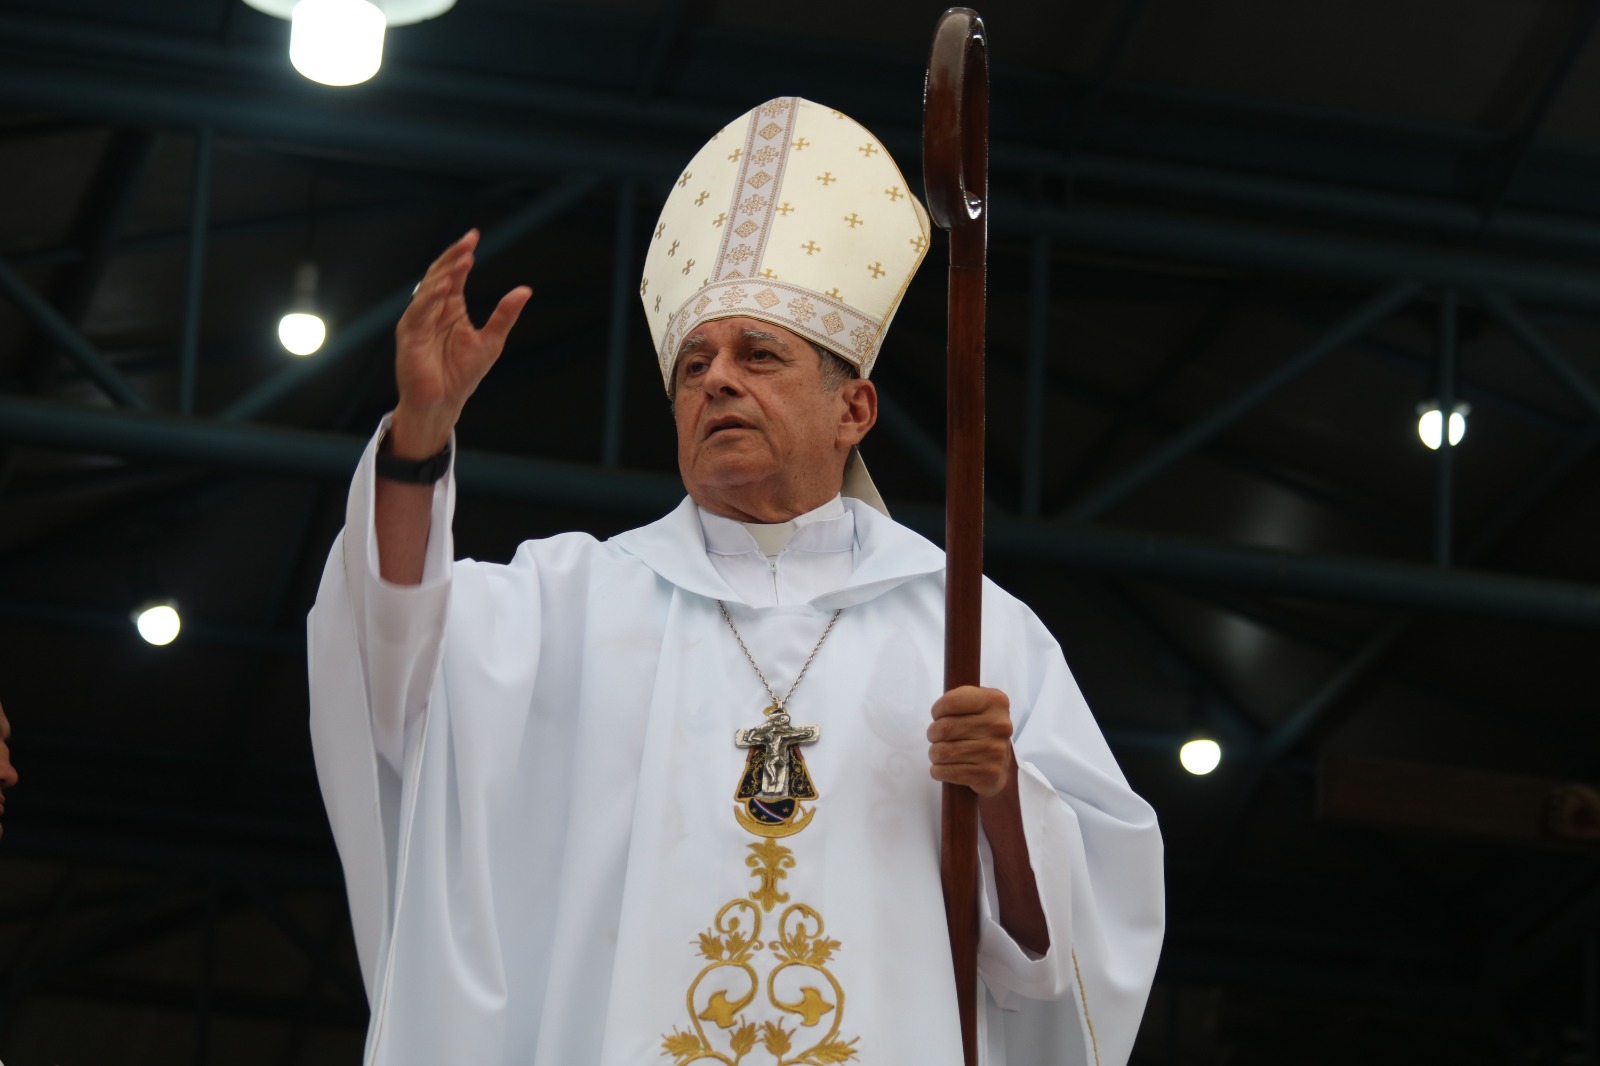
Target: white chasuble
{"points": [[531, 773]]}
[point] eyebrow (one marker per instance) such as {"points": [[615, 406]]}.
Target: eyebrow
{"points": [[697, 340]]}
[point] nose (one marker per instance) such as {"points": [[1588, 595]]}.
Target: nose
{"points": [[721, 373], [8, 773]]}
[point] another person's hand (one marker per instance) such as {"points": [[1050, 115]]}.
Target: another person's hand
{"points": [[440, 357], [970, 739], [8, 773]]}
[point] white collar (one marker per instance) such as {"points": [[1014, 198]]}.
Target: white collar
{"points": [[887, 554], [829, 528]]}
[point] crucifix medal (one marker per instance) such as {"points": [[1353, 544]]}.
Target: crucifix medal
{"points": [[775, 782], [775, 778]]}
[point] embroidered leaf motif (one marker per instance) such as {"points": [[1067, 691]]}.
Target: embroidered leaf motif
{"points": [[719, 1010], [711, 946], [835, 1051], [775, 1038], [744, 1038], [811, 1007], [821, 951], [738, 947], [682, 1046]]}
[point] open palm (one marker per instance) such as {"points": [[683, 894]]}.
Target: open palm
{"points": [[440, 357]]}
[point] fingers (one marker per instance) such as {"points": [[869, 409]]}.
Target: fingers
{"points": [[970, 739], [451, 257], [983, 766], [444, 275], [971, 712], [505, 316]]}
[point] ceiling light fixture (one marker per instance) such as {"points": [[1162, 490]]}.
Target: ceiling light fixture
{"points": [[302, 330], [158, 623], [1200, 756], [340, 42], [1430, 422]]}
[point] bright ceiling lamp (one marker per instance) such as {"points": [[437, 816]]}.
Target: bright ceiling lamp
{"points": [[1430, 423], [302, 330], [340, 42], [158, 623], [1200, 756]]}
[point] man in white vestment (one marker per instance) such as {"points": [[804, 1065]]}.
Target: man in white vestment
{"points": [[673, 797]]}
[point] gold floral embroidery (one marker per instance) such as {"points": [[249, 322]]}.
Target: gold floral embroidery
{"points": [[771, 862], [730, 982]]}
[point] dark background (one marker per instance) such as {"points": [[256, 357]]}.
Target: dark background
{"points": [[1234, 243]]}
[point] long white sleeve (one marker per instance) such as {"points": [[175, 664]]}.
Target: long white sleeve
{"points": [[372, 649], [1096, 854]]}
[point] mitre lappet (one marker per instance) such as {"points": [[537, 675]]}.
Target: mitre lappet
{"points": [[791, 214]]}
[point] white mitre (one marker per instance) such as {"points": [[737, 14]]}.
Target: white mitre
{"points": [[791, 214]]}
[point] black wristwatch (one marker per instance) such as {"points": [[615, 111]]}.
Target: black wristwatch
{"points": [[412, 471]]}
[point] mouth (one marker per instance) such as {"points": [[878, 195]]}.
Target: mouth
{"points": [[722, 425]]}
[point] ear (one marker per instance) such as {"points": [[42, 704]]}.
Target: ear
{"points": [[858, 412]]}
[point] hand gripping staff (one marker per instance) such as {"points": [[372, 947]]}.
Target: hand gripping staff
{"points": [[955, 173]]}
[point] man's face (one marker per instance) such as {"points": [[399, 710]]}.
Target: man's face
{"points": [[8, 773], [760, 437]]}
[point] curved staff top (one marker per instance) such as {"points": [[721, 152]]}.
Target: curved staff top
{"points": [[955, 162]]}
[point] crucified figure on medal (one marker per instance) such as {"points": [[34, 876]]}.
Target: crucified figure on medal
{"points": [[774, 738]]}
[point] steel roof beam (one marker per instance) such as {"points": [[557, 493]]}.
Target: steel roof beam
{"points": [[1184, 237], [1355, 324], [304, 452], [80, 351], [150, 78]]}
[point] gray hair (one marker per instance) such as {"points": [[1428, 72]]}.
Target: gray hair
{"points": [[836, 370]]}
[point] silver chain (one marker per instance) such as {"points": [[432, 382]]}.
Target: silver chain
{"points": [[783, 704]]}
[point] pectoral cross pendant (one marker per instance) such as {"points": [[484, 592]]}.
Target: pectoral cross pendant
{"points": [[775, 777]]}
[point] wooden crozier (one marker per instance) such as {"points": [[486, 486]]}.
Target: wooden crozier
{"points": [[955, 161]]}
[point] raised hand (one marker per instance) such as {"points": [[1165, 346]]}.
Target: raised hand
{"points": [[440, 357]]}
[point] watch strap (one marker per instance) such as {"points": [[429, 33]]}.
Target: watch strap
{"points": [[412, 471]]}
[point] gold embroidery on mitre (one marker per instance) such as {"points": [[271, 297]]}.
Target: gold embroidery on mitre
{"points": [[759, 165], [818, 254], [766, 298], [728, 985]]}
